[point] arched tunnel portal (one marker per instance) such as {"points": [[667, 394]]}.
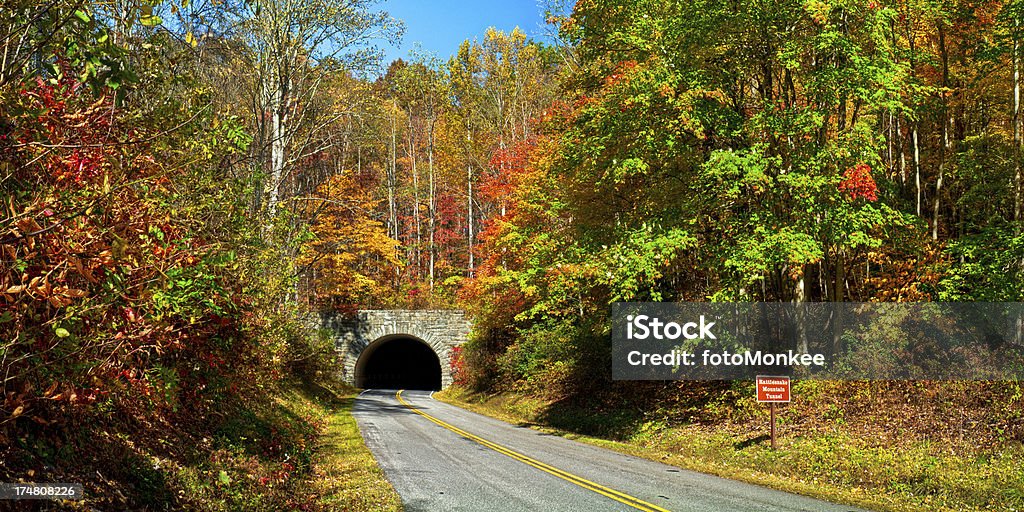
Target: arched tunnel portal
{"points": [[384, 348], [398, 361]]}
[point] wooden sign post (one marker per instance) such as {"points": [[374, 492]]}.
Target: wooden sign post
{"points": [[772, 390]]}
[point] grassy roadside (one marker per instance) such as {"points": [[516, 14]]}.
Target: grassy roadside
{"points": [[304, 453], [298, 448], [833, 465], [346, 475]]}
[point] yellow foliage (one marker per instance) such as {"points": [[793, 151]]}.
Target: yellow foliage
{"points": [[352, 255]]}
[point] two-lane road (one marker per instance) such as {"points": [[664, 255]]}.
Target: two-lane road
{"points": [[440, 457]]}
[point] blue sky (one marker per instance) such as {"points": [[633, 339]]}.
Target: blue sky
{"points": [[441, 25]]}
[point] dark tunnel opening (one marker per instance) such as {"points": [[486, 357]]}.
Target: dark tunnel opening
{"points": [[399, 362]]}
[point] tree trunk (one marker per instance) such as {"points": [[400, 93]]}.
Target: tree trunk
{"points": [[890, 161], [800, 298], [416, 251], [278, 139], [903, 153], [432, 205], [837, 299], [1018, 185], [469, 199], [393, 174], [944, 54], [917, 166], [917, 122]]}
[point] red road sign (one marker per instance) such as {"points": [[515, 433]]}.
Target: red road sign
{"points": [[772, 389]]}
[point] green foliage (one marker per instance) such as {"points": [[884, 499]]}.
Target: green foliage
{"points": [[544, 356], [985, 267], [797, 150]]}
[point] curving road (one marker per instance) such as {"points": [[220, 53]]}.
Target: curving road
{"points": [[440, 457]]}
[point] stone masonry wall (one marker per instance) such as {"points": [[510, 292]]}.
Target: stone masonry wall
{"points": [[441, 329]]}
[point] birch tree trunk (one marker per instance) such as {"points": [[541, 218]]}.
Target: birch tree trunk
{"points": [[469, 199], [393, 173], [917, 166], [416, 250], [278, 138], [1017, 128], [432, 204]]}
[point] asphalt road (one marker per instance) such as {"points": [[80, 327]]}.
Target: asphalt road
{"points": [[440, 457]]}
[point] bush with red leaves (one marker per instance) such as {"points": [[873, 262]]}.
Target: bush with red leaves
{"points": [[858, 183]]}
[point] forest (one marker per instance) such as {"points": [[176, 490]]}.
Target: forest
{"points": [[185, 182]]}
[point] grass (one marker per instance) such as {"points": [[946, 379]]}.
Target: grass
{"points": [[832, 462], [346, 475], [304, 453]]}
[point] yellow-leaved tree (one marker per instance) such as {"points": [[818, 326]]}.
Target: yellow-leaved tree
{"points": [[352, 260]]}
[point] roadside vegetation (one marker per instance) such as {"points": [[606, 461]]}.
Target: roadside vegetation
{"points": [[882, 446], [152, 345], [185, 185], [793, 151], [346, 476]]}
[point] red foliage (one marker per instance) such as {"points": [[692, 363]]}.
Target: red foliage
{"points": [[458, 367], [509, 164], [81, 134], [450, 232], [560, 112], [86, 236], [858, 183]]}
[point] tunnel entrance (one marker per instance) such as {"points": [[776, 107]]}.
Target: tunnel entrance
{"points": [[398, 362]]}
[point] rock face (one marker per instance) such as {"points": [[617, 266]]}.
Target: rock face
{"points": [[357, 337]]}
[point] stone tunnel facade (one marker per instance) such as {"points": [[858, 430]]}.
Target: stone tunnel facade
{"points": [[441, 330]]}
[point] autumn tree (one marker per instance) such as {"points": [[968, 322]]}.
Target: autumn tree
{"points": [[352, 254], [289, 50]]}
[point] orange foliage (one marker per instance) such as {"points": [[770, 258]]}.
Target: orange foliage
{"points": [[902, 276], [352, 254]]}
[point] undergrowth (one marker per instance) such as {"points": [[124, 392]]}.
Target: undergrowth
{"points": [[299, 449]]}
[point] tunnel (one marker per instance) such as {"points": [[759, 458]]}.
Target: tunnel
{"points": [[398, 362]]}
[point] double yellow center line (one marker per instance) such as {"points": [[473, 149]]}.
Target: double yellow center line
{"points": [[564, 475]]}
